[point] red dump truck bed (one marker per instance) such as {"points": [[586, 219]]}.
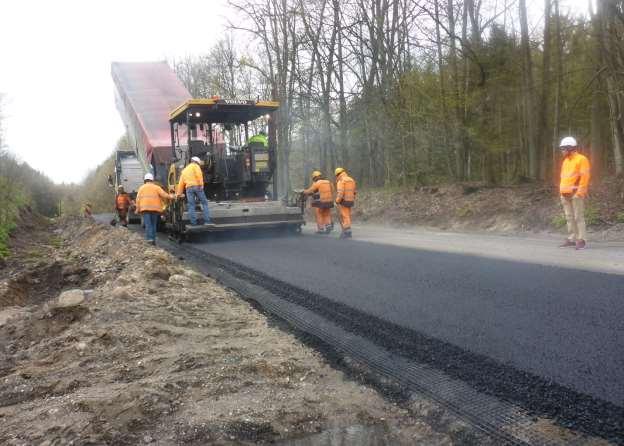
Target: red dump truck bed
{"points": [[146, 93]]}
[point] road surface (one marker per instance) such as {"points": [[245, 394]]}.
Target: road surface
{"points": [[558, 314]]}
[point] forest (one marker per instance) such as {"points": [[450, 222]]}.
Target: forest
{"points": [[415, 92]]}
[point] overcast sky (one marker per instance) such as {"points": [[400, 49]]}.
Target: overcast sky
{"points": [[55, 55]]}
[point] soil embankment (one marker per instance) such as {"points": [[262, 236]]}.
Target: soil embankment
{"points": [[150, 351], [475, 207]]}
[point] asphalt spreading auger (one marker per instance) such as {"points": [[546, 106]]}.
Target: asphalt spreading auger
{"points": [[167, 127]]}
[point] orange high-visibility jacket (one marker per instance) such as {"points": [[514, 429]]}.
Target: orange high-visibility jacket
{"points": [[346, 190], [322, 194], [151, 198], [191, 176], [123, 201], [575, 175]]}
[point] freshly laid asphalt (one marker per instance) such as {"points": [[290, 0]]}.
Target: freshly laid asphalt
{"points": [[563, 325]]}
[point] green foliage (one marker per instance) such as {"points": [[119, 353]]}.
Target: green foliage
{"points": [[620, 217], [5, 231], [95, 189], [464, 211], [592, 216], [558, 221]]}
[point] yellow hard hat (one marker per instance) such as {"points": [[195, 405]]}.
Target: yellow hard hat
{"points": [[316, 173], [339, 170]]}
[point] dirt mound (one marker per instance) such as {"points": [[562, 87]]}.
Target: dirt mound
{"points": [[157, 353], [525, 207]]}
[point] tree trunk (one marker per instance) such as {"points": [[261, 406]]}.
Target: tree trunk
{"points": [[542, 120], [557, 105], [529, 92]]}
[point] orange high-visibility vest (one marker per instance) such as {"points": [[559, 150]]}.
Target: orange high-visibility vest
{"points": [[322, 194], [346, 190], [123, 201], [191, 176], [151, 198], [575, 175]]}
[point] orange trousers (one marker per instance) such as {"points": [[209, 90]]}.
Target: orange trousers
{"points": [[345, 217], [323, 217]]}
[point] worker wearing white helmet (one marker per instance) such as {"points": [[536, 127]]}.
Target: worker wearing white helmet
{"points": [[192, 182], [150, 203], [573, 187]]}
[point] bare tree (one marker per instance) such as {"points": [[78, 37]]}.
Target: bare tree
{"points": [[529, 92]]}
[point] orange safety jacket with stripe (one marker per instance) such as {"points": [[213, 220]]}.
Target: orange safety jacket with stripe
{"points": [[151, 198], [122, 201], [322, 194], [346, 190], [191, 176], [575, 175]]}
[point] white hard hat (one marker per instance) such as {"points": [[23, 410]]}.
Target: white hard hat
{"points": [[196, 159], [148, 177], [568, 141]]}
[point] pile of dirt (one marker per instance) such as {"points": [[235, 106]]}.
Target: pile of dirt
{"points": [[146, 350], [525, 207]]}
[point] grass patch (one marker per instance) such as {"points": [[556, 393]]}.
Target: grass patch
{"points": [[5, 231], [463, 212], [620, 217], [57, 242], [558, 221], [592, 216]]}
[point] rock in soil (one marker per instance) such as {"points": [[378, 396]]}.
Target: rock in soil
{"points": [[70, 298]]}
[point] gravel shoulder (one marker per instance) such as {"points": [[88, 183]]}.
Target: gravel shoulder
{"points": [[152, 352]]}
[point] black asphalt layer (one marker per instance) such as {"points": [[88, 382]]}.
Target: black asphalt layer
{"points": [[561, 325]]}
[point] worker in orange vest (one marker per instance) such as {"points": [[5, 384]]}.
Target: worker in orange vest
{"points": [[322, 202], [575, 175], [192, 182], [122, 205], [150, 202], [87, 211], [345, 199]]}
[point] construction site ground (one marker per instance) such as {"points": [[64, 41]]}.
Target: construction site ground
{"points": [[158, 353]]}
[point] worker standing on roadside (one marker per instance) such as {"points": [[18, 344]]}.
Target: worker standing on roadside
{"points": [[150, 202], [345, 199], [575, 175], [260, 138], [192, 181], [322, 202], [122, 205], [87, 210]]}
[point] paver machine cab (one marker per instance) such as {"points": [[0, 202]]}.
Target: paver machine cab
{"points": [[239, 172]]}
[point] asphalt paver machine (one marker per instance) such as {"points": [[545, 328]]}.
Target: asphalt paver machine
{"points": [[240, 177], [166, 127]]}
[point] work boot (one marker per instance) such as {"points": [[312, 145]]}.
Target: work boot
{"points": [[329, 228], [152, 242], [580, 244], [345, 234], [348, 231], [567, 244], [321, 231]]}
